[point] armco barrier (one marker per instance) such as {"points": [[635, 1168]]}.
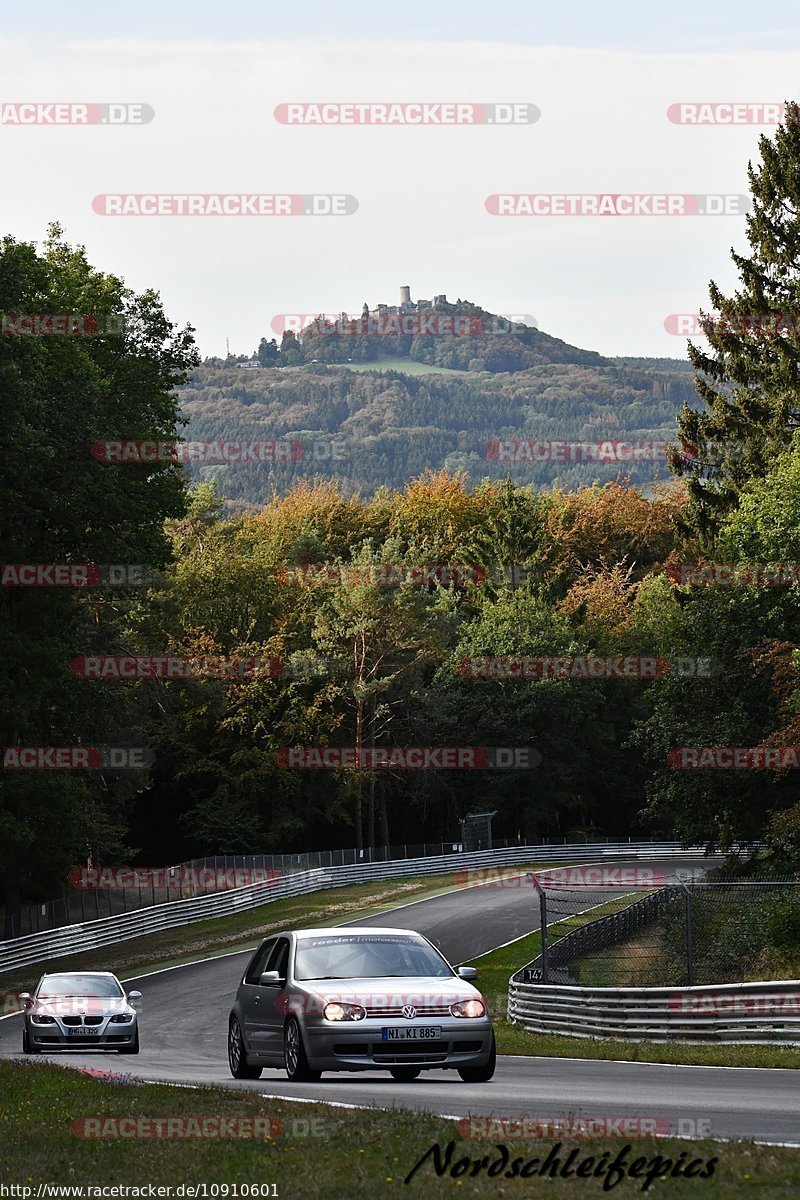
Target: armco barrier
{"points": [[107, 931], [731, 1013]]}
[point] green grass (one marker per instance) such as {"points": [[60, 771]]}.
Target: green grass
{"points": [[354, 1153], [498, 966], [407, 365]]}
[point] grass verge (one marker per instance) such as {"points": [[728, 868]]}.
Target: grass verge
{"points": [[317, 1151], [407, 366]]}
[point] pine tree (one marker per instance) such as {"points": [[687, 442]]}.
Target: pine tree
{"points": [[749, 378]]}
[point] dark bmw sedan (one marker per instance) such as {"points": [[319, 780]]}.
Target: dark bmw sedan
{"points": [[356, 999]]}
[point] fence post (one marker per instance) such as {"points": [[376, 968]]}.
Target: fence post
{"points": [[543, 921], [689, 939]]}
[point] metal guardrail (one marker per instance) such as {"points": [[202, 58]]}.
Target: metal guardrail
{"points": [[81, 902], [108, 931], [727, 1013]]}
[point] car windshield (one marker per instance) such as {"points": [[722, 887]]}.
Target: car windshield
{"points": [[79, 985], [367, 957]]}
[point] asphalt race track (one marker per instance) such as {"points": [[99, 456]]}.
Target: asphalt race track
{"points": [[184, 1014]]}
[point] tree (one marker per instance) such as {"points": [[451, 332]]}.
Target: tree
{"points": [[59, 504], [376, 639], [749, 378], [268, 352]]}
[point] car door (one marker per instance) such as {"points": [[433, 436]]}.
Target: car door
{"points": [[273, 1000], [250, 996]]}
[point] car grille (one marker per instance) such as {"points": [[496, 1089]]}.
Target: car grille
{"points": [[73, 1021], [93, 1020], [346, 1049], [396, 1010], [398, 1052]]}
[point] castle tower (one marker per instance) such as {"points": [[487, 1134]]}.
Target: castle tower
{"points": [[405, 295]]}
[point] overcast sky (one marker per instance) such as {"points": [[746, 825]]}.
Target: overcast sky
{"points": [[603, 77]]}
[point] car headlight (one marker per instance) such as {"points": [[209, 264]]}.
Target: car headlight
{"points": [[39, 1019], [122, 1018], [343, 1012], [468, 1008]]}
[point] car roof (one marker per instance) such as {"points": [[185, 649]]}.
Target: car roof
{"points": [[359, 930], [78, 975], [101, 974]]}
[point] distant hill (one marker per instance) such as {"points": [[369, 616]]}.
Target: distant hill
{"points": [[377, 424]]}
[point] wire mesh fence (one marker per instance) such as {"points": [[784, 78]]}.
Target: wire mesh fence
{"points": [[698, 932], [212, 873]]}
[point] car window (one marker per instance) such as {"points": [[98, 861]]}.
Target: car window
{"points": [[372, 956], [79, 985], [279, 959], [257, 962]]}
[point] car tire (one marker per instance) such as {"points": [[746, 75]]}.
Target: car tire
{"points": [[237, 1055], [134, 1049], [405, 1074], [294, 1055], [481, 1074], [27, 1048]]}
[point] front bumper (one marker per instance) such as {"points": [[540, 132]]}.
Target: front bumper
{"points": [[358, 1045], [59, 1036]]}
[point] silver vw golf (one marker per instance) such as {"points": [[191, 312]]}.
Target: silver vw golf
{"points": [[357, 999], [80, 1011]]}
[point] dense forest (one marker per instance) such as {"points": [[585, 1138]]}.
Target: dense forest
{"points": [[443, 605], [381, 427]]}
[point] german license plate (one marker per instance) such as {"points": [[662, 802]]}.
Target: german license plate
{"points": [[82, 1031], [412, 1033]]}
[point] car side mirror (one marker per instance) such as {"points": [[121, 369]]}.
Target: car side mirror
{"points": [[25, 998], [467, 973], [134, 995], [271, 977]]}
